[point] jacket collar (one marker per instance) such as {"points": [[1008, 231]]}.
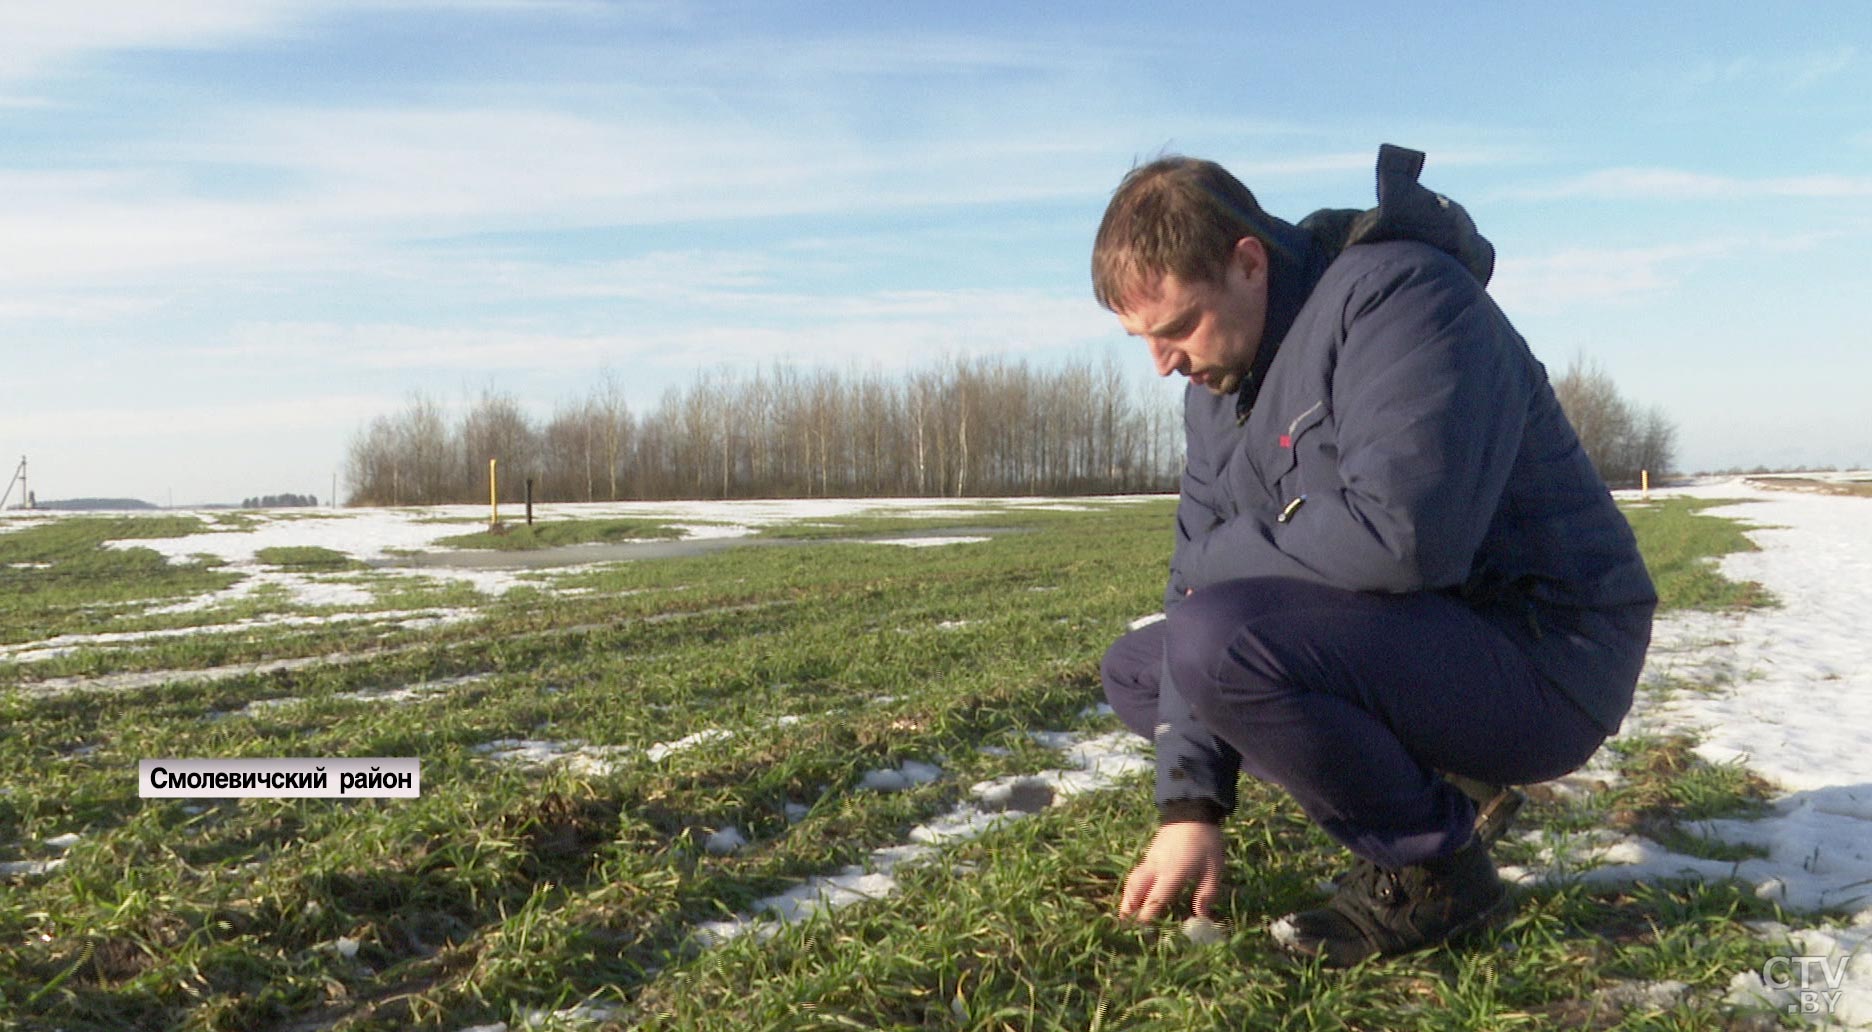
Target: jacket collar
{"points": [[1295, 264]]}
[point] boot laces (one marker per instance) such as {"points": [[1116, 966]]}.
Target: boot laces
{"points": [[1368, 881]]}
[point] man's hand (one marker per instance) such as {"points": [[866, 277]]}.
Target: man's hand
{"points": [[1184, 852]]}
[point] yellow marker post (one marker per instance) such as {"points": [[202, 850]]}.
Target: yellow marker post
{"points": [[1644, 480], [493, 495]]}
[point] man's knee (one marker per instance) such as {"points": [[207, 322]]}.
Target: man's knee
{"points": [[1133, 659], [1130, 670], [1117, 667], [1208, 634]]}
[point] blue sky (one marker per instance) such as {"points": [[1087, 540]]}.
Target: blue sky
{"points": [[232, 232]]}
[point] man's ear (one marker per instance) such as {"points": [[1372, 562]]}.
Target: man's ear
{"points": [[1250, 256]]}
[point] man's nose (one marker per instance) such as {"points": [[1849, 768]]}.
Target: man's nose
{"points": [[1164, 357]]}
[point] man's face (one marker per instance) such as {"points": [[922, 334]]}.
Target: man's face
{"points": [[1209, 332]]}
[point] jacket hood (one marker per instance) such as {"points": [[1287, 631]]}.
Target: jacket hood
{"points": [[1406, 210]]}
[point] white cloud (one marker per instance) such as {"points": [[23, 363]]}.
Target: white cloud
{"points": [[926, 53], [1676, 184], [651, 160], [98, 230], [391, 346], [655, 158], [118, 240], [234, 419], [1786, 72], [889, 329], [356, 185], [1569, 278], [82, 307], [1252, 172], [1306, 166], [40, 38], [669, 278], [37, 39], [895, 330], [1811, 69]]}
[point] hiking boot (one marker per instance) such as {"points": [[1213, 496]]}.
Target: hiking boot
{"points": [[1377, 911]]}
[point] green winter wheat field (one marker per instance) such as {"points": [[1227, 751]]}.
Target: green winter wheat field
{"points": [[621, 760]]}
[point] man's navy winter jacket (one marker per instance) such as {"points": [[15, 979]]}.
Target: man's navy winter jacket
{"points": [[1398, 436]]}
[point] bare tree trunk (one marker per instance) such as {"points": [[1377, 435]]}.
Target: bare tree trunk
{"points": [[922, 453], [962, 450], [610, 403]]}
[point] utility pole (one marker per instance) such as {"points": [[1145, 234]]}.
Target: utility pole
{"points": [[19, 477]]}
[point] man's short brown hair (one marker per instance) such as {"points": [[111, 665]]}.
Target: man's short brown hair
{"points": [[1175, 215]]}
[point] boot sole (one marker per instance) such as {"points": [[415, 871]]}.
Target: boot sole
{"points": [[1495, 915]]}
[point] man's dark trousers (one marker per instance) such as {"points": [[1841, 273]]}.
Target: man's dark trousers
{"points": [[1353, 701]]}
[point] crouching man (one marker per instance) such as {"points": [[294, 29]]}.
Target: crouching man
{"points": [[1393, 560]]}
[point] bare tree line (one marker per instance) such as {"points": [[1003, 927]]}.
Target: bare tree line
{"points": [[982, 427], [964, 427], [1623, 441]]}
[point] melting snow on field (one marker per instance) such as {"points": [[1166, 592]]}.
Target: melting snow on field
{"points": [[1792, 700], [931, 542], [1095, 762], [66, 644], [380, 536]]}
